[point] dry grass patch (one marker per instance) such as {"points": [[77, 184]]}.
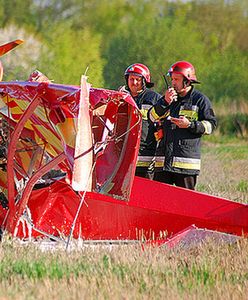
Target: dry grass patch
{"points": [[225, 169], [210, 270]]}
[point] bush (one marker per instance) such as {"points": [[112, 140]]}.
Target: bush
{"points": [[234, 125]]}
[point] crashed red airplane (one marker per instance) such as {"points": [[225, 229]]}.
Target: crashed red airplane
{"points": [[67, 165]]}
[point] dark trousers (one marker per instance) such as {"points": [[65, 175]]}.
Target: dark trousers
{"points": [[144, 172], [182, 180]]}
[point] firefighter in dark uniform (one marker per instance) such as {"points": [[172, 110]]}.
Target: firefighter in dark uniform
{"points": [[138, 82], [187, 115]]}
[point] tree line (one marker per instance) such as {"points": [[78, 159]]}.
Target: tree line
{"points": [[65, 38]]}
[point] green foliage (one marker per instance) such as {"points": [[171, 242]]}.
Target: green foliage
{"points": [[16, 11], [70, 54], [234, 125], [105, 17], [226, 77], [155, 48], [108, 36]]}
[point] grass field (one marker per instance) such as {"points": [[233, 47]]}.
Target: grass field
{"points": [[210, 270], [225, 168]]}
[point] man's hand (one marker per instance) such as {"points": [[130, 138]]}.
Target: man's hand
{"points": [[170, 95], [181, 122]]}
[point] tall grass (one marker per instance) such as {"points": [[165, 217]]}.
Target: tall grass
{"points": [[225, 168], [225, 108], [210, 270], [232, 118]]}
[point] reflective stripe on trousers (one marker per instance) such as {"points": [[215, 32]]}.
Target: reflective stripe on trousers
{"points": [[145, 161]]}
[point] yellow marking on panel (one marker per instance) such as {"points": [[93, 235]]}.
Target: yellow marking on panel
{"points": [[40, 112], [23, 104], [3, 178], [49, 137], [68, 131], [25, 159]]}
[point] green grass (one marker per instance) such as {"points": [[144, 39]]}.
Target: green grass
{"points": [[242, 186], [224, 169], [235, 149], [209, 270]]}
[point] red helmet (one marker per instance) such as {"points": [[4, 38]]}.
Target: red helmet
{"points": [[186, 69], [140, 70]]}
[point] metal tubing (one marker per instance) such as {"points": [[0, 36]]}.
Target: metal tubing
{"points": [[13, 218]]}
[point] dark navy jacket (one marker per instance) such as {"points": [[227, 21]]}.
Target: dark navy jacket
{"points": [[145, 101], [181, 146]]}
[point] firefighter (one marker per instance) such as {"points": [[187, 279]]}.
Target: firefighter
{"points": [[187, 115], [138, 84]]}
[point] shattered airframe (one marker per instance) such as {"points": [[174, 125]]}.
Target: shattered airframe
{"points": [[67, 167]]}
